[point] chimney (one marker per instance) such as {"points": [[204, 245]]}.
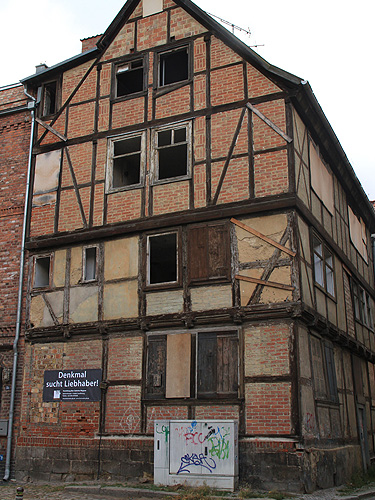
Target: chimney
{"points": [[40, 67], [90, 42]]}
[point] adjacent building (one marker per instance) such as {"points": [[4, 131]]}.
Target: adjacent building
{"points": [[199, 248]]}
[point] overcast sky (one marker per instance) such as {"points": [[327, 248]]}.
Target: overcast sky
{"points": [[330, 43]]}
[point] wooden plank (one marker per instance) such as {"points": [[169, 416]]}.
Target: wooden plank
{"points": [[269, 123], [50, 129], [272, 284], [263, 237], [230, 153], [76, 188]]}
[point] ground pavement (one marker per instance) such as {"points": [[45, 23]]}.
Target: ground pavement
{"points": [[100, 491]]}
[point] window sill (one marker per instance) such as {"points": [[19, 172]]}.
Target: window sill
{"points": [[125, 188], [135, 95], [323, 290], [186, 177], [162, 286]]}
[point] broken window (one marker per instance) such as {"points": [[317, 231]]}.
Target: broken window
{"points": [[89, 263], [49, 98], [323, 266], [162, 254], [323, 361], [126, 161], [173, 66], [172, 151], [193, 365], [42, 268], [208, 252], [130, 78]]}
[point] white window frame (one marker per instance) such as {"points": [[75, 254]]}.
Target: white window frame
{"points": [[110, 161], [84, 249], [148, 277]]}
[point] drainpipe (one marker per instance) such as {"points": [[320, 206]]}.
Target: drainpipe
{"points": [[31, 106], [373, 252]]}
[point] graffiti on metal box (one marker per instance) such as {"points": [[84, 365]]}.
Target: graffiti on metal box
{"points": [[219, 441], [163, 429], [194, 460]]}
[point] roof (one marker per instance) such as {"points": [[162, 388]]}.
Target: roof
{"points": [[299, 90]]}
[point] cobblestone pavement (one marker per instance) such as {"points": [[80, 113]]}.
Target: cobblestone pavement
{"points": [[60, 491]]}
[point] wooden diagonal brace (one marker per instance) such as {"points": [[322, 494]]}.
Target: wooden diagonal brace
{"points": [[229, 157], [75, 184], [257, 281], [263, 237], [269, 123], [50, 310], [48, 127]]}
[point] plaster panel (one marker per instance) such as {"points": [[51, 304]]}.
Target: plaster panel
{"points": [[251, 248], [304, 353], [320, 302], [121, 258], [247, 288], [205, 298], [270, 294], [76, 265], [59, 264], [165, 302], [47, 169], [309, 423], [304, 240], [83, 305], [120, 300]]}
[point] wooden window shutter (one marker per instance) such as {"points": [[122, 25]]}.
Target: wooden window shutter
{"points": [[208, 252], [227, 362], [156, 367], [198, 253], [218, 251], [207, 365]]}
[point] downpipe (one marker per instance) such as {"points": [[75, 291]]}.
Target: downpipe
{"points": [[31, 106]]}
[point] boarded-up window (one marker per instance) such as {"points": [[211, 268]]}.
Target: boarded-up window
{"points": [[358, 236], [209, 252], [212, 370], [321, 179], [217, 365], [178, 366], [323, 359], [362, 305], [156, 363]]}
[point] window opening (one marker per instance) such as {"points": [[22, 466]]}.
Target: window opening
{"points": [[42, 272], [214, 371], [130, 78], [90, 264], [50, 98], [362, 305], [323, 266], [162, 255], [127, 157], [172, 152], [173, 67]]}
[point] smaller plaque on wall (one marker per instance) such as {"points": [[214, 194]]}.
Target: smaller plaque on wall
{"points": [[72, 385]]}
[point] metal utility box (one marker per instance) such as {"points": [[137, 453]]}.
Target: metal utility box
{"points": [[3, 427], [196, 452]]}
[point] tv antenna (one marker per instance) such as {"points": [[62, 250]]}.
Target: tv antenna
{"points": [[235, 27]]}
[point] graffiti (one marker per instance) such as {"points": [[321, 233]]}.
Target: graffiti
{"points": [[309, 422], [219, 443], [195, 460], [164, 429]]}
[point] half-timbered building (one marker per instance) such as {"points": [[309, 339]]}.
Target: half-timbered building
{"points": [[197, 234]]}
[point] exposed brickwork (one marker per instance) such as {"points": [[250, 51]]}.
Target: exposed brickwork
{"points": [[173, 103], [125, 358], [152, 31], [183, 25], [124, 410], [90, 43], [221, 92], [268, 409], [217, 412], [171, 197], [128, 112], [271, 173], [124, 205], [164, 413]]}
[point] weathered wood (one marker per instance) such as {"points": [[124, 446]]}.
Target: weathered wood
{"points": [[274, 127], [267, 204], [230, 153], [263, 237], [272, 284], [76, 189], [51, 129]]}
